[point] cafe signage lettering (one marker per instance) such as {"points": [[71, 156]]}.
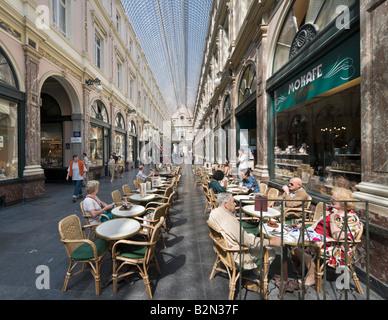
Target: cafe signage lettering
{"points": [[333, 69], [305, 79]]}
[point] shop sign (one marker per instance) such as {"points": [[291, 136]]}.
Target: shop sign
{"points": [[337, 67]]}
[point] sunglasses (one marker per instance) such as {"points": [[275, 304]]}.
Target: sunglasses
{"points": [[291, 184]]}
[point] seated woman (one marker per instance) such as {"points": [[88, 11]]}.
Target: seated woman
{"points": [[94, 206], [249, 183], [226, 169], [215, 182], [335, 220]]}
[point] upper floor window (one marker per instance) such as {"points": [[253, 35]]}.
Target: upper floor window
{"points": [[98, 50], [59, 14], [119, 74], [7, 75]]}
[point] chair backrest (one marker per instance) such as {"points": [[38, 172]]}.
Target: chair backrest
{"points": [[160, 212], [155, 236], [136, 184], [318, 211], [273, 193], [168, 192], [126, 190], [263, 188], [70, 229], [116, 197], [86, 216], [307, 203], [220, 245], [213, 198]]}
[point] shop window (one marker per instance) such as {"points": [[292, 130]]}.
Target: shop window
{"points": [[8, 140], [96, 146], [51, 145], [304, 21], [99, 134], [120, 144], [319, 141]]}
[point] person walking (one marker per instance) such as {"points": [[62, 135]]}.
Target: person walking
{"points": [[111, 167], [77, 172], [120, 166]]}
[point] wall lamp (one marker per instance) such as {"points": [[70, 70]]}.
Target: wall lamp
{"points": [[91, 82], [132, 111], [221, 75]]}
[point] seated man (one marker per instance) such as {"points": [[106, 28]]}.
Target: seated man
{"points": [[142, 175], [224, 219], [293, 191]]}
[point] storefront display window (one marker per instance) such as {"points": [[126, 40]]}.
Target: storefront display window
{"points": [[319, 141], [132, 142], [120, 145], [8, 140], [96, 146], [51, 145], [99, 134]]}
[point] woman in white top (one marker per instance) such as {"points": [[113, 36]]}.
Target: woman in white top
{"points": [[94, 206]]}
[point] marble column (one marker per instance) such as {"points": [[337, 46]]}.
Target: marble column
{"points": [[374, 135], [33, 174], [261, 168], [86, 113]]}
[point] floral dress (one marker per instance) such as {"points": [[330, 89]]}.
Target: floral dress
{"points": [[335, 251]]}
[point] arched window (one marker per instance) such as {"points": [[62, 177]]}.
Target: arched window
{"points": [[247, 84], [216, 119], [120, 121], [304, 21], [99, 111], [7, 74], [133, 127], [226, 108]]}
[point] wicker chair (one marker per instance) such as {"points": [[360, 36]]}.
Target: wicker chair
{"points": [[152, 217], [91, 227], [117, 198], [136, 183], [225, 255], [208, 198], [169, 201], [127, 190], [81, 250], [351, 261], [136, 254], [263, 188]]}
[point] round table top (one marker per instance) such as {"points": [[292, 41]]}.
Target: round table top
{"points": [[245, 198], [270, 213], [236, 191], [135, 211], [292, 236], [118, 229], [148, 191], [158, 185], [232, 186], [164, 173], [137, 197]]}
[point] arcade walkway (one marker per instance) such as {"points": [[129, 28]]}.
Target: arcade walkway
{"points": [[29, 238]]}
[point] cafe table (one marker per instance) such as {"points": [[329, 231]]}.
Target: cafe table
{"points": [[293, 238], [135, 211], [270, 213], [118, 229], [149, 190], [244, 198], [236, 191], [138, 198]]}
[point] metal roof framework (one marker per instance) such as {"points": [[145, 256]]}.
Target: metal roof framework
{"points": [[172, 35]]}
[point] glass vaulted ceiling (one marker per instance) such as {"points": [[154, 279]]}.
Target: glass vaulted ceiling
{"points": [[172, 35]]}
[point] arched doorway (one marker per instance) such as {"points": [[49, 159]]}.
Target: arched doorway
{"points": [[56, 129]]}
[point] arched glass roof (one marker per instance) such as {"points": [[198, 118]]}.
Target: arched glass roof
{"points": [[172, 35]]}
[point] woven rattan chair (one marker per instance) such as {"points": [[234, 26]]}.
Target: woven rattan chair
{"points": [[117, 198], [151, 218], [81, 250], [126, 190], [351, 259], [306, 210], [136, 183], [263, 188], [153, 205], [138, 255], [90, 227], [208, 198], [225, 255]]}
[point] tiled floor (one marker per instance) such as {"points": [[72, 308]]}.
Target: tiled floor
{"points": [[29, 238]]}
